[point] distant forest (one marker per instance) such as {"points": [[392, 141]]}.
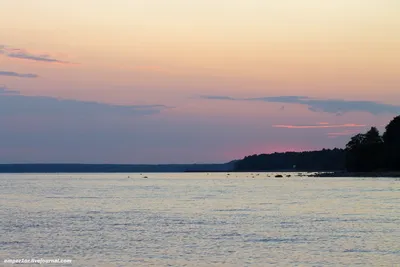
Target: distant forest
{"points": [[323, 160], [363, 153]]}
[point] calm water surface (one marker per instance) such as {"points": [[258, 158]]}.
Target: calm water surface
{"points": [[200, 220]]}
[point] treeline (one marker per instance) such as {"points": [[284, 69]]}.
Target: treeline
{"points": [[363, 153], [373, 152], [322, 160]]}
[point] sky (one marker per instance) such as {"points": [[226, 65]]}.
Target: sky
{"points": [[155, 81]]}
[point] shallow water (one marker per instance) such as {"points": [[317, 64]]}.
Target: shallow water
{"points": [[195, 219]]}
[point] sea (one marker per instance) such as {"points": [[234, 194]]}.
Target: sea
{"points": [[198, 219]]}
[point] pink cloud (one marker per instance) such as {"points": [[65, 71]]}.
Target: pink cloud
{"points": [[343, 133], [347, 125]]}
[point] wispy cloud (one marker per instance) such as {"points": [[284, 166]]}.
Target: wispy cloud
{"points": [[18, 75], [5, 90], [319, 126], [335, 106], [342, 133], [12, 103], [214, 97], [42, 58], [23, 54]]}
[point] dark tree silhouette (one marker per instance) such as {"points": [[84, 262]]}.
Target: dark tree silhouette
{"points": [[354, 153], [373, 137], [355, 142], [391, 139], [375, 150], [364, 152]]}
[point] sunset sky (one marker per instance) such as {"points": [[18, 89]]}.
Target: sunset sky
{"points": [[178, 81]]}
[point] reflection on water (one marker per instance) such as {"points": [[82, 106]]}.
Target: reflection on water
{"points": [[195, 219]]}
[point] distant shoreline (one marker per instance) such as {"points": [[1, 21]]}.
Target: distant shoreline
{"points": [[176, 168], [381, 174], [110, 168]]}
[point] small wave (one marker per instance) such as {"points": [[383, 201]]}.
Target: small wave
{"points": [[277, 240], [323, 220], [182, 222], [126, 224], [233, 210], [288, 223], [79, 197], [357, 250], [11, 243], [204, 197], [231, 234], [93, 212]]}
